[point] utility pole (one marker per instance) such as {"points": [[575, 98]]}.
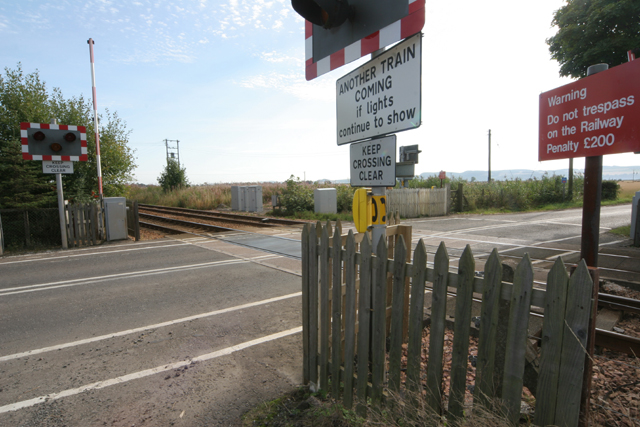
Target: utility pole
{"points": [[570, 179], [173, 154], [489, 178], [592, 196]]}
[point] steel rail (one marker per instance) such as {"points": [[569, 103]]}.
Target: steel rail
{"points": [[207, 216], [255, 219], [188, 224], [619, 303]]}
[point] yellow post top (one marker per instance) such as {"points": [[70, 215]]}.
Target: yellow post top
{"points": [[362, 209]]}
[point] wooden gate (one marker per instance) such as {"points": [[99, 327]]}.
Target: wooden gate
{"points": [[82, 224]]}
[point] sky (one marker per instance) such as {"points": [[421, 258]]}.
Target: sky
{"points": [[226, 79]]}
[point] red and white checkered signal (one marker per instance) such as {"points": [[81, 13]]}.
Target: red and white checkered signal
{"points": [[44, 141], [411, 24]]}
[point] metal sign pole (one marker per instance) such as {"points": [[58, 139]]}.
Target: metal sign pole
{"points": [[590, 240], [378, 231], [63, 223]]}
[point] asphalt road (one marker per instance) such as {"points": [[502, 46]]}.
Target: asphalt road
{"points": [[191, 333], [543, 235], [194, 332]]}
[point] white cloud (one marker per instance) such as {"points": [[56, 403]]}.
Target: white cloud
{"points": [[279, 57], [293, 84]]}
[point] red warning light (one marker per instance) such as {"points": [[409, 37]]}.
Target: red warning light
{"points": [[39, 136], [70, 137], [55, 147]]}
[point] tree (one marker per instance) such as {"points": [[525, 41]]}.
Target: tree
{"points": [[592, 32], [24, 98], [173, 177]]}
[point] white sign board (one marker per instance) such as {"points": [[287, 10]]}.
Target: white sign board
{"points": [[373, 163], [383, 96], [54, 166]]}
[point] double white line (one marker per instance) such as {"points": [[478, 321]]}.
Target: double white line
{"points": [[98, 279]]}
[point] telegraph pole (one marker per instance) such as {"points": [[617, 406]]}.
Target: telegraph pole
{"points": [[570, 178], [175, 153], [489, 179]]}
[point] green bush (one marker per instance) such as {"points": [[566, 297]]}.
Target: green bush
{"points": [[345, 197], [297, 196], [610, 189]]}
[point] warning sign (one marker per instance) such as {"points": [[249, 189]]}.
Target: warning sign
{"points": [[54, 166], [373, 163], [597, 115]]}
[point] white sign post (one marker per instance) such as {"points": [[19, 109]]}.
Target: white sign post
{"points": [[373, 163], [383, 96], [59, 167]]}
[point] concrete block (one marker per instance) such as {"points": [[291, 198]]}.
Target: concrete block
{"points": [[325, 200], [254, 198], [237, 198]]}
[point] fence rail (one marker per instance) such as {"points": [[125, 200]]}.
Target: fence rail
{"points": [[27, 229], [354, 302], [417, 202]]}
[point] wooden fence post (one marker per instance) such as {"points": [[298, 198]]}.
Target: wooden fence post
{"points": [[94, 223], [396, 334], [436, 341], [416, 315], [336, 312], [27, 229], [313, 307], [574, 341], [305, 304], [325, 322], [349, 320], [462, 326], [484, 390], [136, 219], [378, 323], [517, 339], [552, 330], [364, 322]]}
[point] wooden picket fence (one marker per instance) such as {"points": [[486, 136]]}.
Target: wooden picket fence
{"points": [[381, 297], [83, 224], [417, 202]]}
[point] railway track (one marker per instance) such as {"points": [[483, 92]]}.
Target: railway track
{"points": [[170, 225], [255, 221]]}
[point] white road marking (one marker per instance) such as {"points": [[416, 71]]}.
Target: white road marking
{"points": [[97, 279], [146, 328], [56, 258], [146, 373]]}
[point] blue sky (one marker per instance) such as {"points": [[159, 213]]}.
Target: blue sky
{"points": [[226, 79]]}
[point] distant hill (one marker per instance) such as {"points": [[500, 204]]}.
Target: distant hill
{"points": [[625, 173]]}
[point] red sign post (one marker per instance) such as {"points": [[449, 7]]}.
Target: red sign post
{"points": [[597, 115]]}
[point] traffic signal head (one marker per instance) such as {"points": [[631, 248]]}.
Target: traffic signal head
{"points": [[41, 141], [409, 153], [324, 13]]}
